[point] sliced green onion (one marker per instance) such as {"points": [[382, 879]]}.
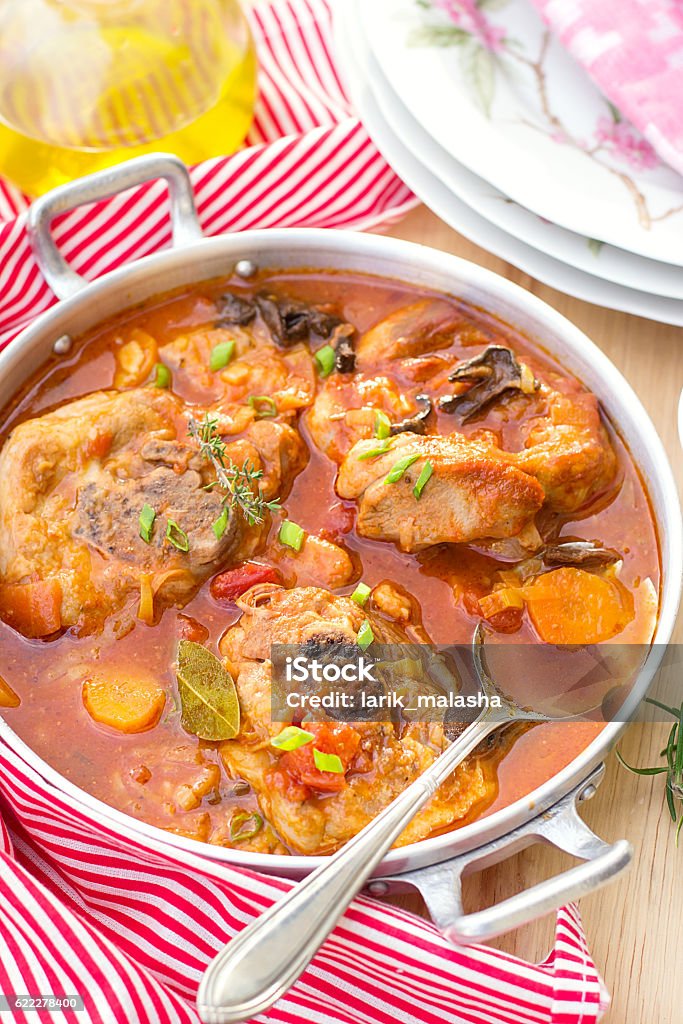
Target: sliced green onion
{"points": [[244, 826], [221, 354], [400, 467], [162, 376], [381, 449], [325, 358], [177, 537], [263, 405], [147, 517], [291, 535], [382, 425], [327, 762], [361, 594], [292, 738], [365, 636], [424, 476], [220, 526]]}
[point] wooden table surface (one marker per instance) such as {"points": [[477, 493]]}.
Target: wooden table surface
{"points": [[635, 926]]}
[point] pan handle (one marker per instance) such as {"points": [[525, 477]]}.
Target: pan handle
{"points": [[441, 885], [64, 281]]}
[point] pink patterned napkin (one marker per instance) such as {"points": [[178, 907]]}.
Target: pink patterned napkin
{"points": [[633, 50], [86, 907]]}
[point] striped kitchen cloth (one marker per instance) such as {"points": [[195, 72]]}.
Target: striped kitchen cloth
{"points": [[87, 910]]}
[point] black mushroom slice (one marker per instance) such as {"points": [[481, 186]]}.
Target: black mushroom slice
{"points": [[493, 372], [235, 310], [416, 424], [579, 552], [290, 321], [344, 353]]}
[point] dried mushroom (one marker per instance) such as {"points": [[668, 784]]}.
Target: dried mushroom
{"points": [[235, 310], [344, 354], [290, 321], [493, 372], [580, 553], [416, 424]]}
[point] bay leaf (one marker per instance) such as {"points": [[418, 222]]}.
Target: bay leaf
{"points": [[210, 707]]}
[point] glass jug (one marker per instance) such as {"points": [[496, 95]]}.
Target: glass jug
{"points": [[88, 83]]}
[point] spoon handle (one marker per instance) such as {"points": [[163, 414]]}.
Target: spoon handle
{"points": [[267, 957]]}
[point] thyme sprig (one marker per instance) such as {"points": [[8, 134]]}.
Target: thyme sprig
{"points": [[239, 484], [673, 755]]}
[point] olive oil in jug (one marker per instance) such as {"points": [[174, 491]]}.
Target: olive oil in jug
{"points": [[88, 83]]}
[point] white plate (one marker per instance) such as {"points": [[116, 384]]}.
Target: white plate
{"points": [[527, 118], [596, 258], [353, 62]]}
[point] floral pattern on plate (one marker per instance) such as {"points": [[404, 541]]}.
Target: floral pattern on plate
{"points": [[533, 122], [613, 141], [400, 149]]}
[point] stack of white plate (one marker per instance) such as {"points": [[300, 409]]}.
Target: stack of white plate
{"points": [[497, 129]]}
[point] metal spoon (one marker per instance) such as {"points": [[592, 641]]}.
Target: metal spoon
{"points": [[261, 963]]}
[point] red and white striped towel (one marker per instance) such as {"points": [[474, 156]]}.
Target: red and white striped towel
{"points": [[87, 909]]}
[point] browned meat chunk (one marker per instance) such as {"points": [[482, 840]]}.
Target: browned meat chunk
{"points": [[171, 482], [425, 326], [565, 444], [319, 563], [313, 814], [473, 492], [346, 407], [568, 451], [73, 484]]}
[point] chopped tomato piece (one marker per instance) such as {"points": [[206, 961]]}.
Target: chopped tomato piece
{"points": [[232, 583], [509, 620], [296, 772], [338, 522], [99, 446], [33, 609], [470, 600], [190, 629]]}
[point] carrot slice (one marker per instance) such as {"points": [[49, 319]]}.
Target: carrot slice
{"points": [[572, 606], [124, 702], [33, 609]]}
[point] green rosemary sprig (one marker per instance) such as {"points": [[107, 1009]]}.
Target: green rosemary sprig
{"points": [[240, 484], [673, 769]]}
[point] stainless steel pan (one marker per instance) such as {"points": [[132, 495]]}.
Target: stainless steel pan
{"points": [[549, 814]]}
